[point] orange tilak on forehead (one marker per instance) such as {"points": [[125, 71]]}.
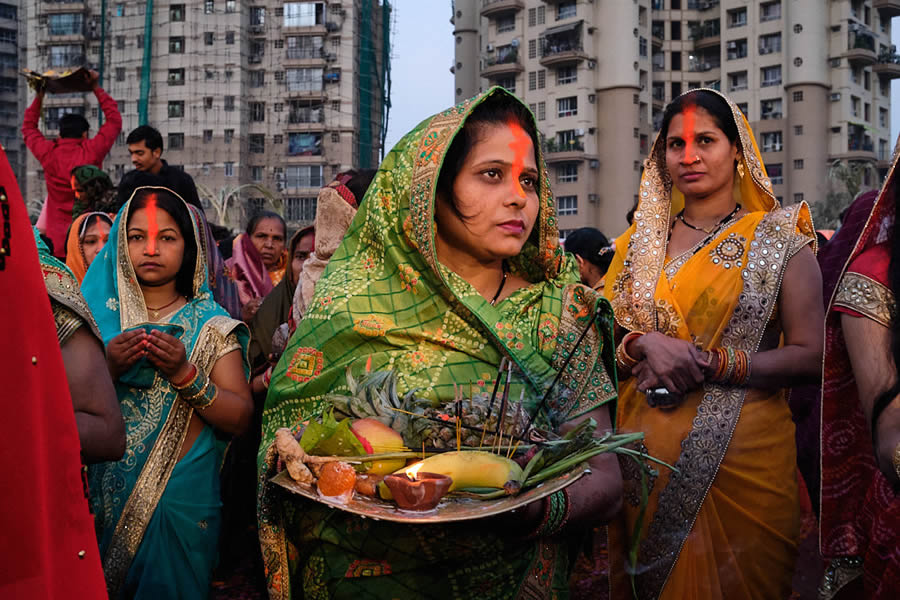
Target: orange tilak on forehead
{"points": [[688, 119], [519, 147], [152, 225]]}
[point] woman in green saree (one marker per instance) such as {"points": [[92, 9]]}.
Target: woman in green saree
{"points": [[452, 263], [180, 372]]}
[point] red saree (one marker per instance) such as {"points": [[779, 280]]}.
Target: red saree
{"points": [[860, 512]]}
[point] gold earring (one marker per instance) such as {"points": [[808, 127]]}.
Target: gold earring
{"points": [[740, 170]]}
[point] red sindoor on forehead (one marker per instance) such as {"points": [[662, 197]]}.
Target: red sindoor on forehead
{"points": [[519, 147], [689, 117], [152, 224]]}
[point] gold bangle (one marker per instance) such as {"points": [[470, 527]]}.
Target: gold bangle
{"points": [[192, 397], [624, 360]]}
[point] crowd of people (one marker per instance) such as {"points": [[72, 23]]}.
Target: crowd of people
{"points": [[180, 340]]}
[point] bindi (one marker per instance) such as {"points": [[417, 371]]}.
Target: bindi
{"points": [[689, 118], [152, 225], [519, 147]]}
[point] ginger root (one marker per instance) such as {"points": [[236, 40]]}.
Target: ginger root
{"points": [[293, 455]]}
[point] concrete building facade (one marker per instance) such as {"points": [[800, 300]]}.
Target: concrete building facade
{"points": [[12, 92], [280, 95], [812, 77]]}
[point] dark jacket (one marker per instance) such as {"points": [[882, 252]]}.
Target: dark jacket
{"points": [[175, 179]]}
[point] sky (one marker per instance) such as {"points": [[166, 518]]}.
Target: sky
{"points": [[421, 82]]}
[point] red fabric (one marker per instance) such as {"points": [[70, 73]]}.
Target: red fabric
{"points": [[248, 270], [44, 516], [860, 512], [58, 157]]}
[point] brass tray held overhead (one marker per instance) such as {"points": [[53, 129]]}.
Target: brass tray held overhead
{"points": [[451, 508]]}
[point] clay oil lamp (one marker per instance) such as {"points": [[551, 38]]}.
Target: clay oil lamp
{"points": [[417, 491]]}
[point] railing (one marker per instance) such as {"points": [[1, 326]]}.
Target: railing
{"points": [[306, 114], [861, 40], [573, 145], [857, 145], [702, 4], [697, 66], [709, 29], [889, 57], [305, 52], [504, 56], [558, 46]]}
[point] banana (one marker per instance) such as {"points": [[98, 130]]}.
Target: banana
{"points": [[469, 469]]}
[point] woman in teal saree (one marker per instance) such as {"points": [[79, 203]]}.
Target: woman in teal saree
{"points": [[442, 298], [180, 372]]}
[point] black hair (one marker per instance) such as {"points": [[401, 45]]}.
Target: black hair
{"points": [[134, 180], [91, 220], [72, 125], [261, 216], [497, 109], [46, 239], [178, 210], [361, 181], [714, 104], [591, 245], [151, 137]]}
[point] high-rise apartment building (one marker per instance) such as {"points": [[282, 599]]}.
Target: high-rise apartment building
{"points": [[812, 76], [12, 93], [278, 94]]}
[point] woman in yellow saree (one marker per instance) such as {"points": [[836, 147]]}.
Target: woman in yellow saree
{"points": [[720, 302]]}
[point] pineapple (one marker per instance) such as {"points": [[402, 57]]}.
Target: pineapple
{"points": [[374, 396]]}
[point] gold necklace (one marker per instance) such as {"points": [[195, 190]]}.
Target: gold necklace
{"points": [[155, 312]]}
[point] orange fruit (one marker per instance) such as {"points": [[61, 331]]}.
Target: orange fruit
{"points": [[336, 479]]}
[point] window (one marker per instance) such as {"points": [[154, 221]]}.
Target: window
{"points": [[565, 9], [541, 111], [257, 143], [207, 102], [675, 30], [566, 75], [775, 173], [855, 104], [336, 106], [532, 17], [176, 77], [229, 169], [304, 46], [209, 38], [209, 7], [304, 80], [229, 37], [797, 96], [335, 137], [300, 209], [769, 11], [256, 173], [532, 81], [304, 14], [506, 22], [798, 198], [771, 141], [798, 129], [176, 45], [228, 103], [542, 79], [258, 15], [62, 56], [770, 109], [532, 48], [304, 144], [176, 109], [230, 6], [566, 205], [769, 44], [770, 76], [737, 49], [883, 117], [175, 141], [277, 139], [120, 10], [228, 136], [642, 46], [303, 176], [257, 112], [567, 107], [676, 61], [304, 111], [737, 17], [798, 163], [207, 168], [65, 24], [737, 81], [207, 136], [120, 42], [120, 74], [176, 12], [139, 39], [567, 173], [279, 44], [257, 78], [541, 15], [507, 82]]}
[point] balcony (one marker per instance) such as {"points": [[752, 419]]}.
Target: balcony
{"points": [[888, 65], [702, 5], [502, 64], [860, 48], [706, 35], [888, 8], [562, 44], [307, 55], [492, 8], [561, 151]]}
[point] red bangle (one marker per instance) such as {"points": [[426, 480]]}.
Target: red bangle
{"points": [[190, 376]]}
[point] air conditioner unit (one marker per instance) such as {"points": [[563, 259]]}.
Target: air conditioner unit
{"points": [[732, 44], [591, 64], [594, 164], [835, 97], [592, 98], [593, 198], [489, 47], [579, 132]]}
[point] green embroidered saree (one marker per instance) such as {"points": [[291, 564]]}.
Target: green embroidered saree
{"points": [[384, 299]]}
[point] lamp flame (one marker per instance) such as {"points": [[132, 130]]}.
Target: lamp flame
{"points": [[413, 471]]}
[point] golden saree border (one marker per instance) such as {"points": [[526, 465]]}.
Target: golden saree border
{"points": [[705, 446], [538, 583], [213, 342], [63, 288], [67, 322], [867, 297]]}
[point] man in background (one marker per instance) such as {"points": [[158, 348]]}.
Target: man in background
{"points": [[145, 145], [58, 157]]}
